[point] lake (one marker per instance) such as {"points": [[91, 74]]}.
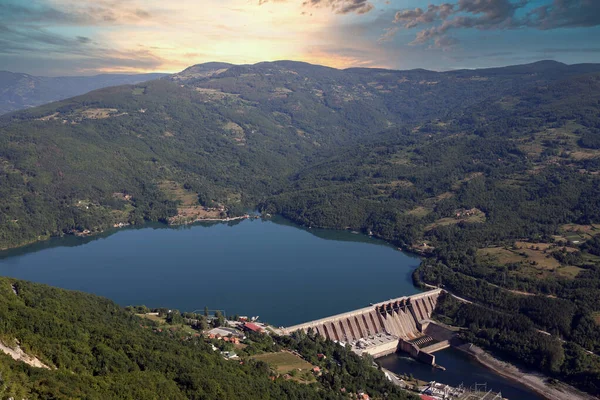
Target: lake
{"points": [[271, 268]]}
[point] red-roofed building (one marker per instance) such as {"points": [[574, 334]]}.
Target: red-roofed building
{"points": [[425, 397], [253, 327]]}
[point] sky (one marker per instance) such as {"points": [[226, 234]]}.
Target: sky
{"points": [[80, 37]]}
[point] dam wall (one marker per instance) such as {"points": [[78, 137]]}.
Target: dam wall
{"points": [[380, 328], [402, 317]]}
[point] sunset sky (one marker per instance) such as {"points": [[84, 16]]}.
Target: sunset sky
{"points": [[68, 37]]}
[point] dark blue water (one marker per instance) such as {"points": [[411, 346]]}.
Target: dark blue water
{"points": [[460, 369], [284, 274]]}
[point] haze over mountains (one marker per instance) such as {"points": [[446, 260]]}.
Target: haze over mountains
{"points": [[18, 91]]}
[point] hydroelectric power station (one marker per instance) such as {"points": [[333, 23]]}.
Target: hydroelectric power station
{"points": [[401, 324]]}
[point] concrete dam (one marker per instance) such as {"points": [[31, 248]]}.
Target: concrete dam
{"points": [[398, 324]]}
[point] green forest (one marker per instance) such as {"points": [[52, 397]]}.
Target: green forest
{"points": [[492, 175]]}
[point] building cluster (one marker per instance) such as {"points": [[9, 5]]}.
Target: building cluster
{"points": [[466, 213], [235, 331], [439, 391]]}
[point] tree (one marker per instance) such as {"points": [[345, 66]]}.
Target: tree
{"points": [[174, 317], [219, 320]]}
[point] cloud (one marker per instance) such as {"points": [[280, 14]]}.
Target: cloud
{"points": [[80, 13], [342, 6], [38, 42], [389, 34], [566, 14], [35, 30], [338, 6], [494, 14], [412, 18], [444, 42]]}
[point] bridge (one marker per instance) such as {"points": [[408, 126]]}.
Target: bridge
{"points": [[403, 324]]}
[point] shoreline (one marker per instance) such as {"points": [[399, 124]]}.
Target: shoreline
{"points": [[227, 219], [115, 228], [534, 381]]}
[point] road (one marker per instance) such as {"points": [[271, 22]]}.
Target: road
{"points": [[463, 300]]}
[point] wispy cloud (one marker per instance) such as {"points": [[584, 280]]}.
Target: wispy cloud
{"points": [[342, 6], [337, 6], [77, 13]]}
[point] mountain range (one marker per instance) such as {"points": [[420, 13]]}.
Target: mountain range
{"points": [[493, 175], [19, 91]]}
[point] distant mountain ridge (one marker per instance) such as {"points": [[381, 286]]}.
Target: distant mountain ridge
{"points": [[238, 134], [19, 90]]}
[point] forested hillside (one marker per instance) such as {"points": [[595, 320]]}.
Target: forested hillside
{"points": [[225, 134], [492, 175]]}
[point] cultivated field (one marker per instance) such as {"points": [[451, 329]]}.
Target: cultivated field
{"points": [[531, 259], [189, 209]]}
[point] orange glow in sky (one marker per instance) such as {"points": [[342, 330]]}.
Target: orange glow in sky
{"points": [[179, 34]]}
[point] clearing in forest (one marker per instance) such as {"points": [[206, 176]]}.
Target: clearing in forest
{"points": [[532, 259], [189, 208], [579, 233], [176, 192], [98, 113], [153, 317], [419, 211], [236, 131], [596, 317], [285, 362], [473, 216]]}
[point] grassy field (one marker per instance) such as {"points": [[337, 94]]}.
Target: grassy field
{"points": [[189, 208], [419, 211], [596, 316], [466, 179], [176, 191], [533, 259], [579, 233], [152, 317], [563, 137], [182, 328], [285, 362], [477, 217]]}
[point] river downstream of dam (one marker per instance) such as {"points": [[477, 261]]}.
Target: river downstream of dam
{"points": [[269, 268]]}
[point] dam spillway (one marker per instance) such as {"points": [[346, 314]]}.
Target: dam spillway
{"points": [[381, 328]]}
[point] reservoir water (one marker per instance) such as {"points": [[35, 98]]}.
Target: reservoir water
{"points": [[282, 273], [276, 270]]}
